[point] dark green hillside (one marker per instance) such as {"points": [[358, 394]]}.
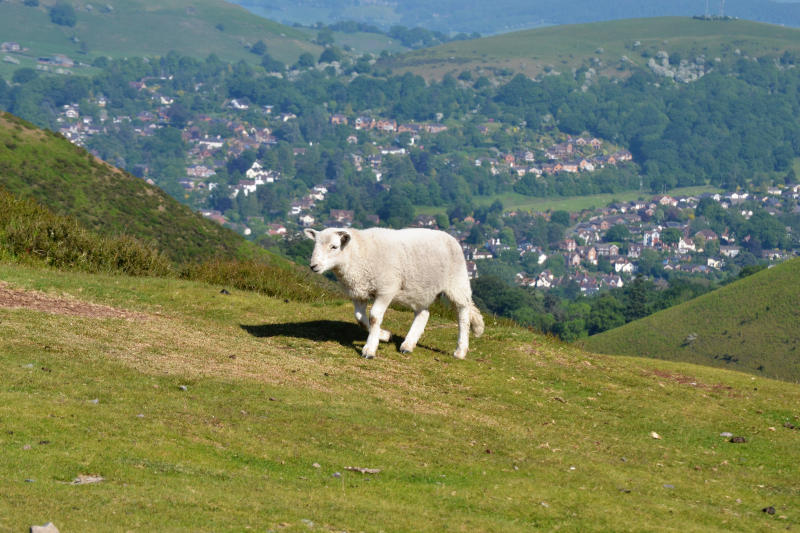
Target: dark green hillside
{"points": [[71, 181], [752, 325], [120, 28], [602, 46]]}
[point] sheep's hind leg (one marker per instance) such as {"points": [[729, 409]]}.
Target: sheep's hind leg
{"points": [[463, 332], [361, 317], [415, 331], [375, 318]]}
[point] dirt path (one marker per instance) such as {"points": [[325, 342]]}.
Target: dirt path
{"points": [[11, 298]]}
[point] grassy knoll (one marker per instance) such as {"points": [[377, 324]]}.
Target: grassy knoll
{"points": [[519, 202], [526, 433], [562, 48], [70, 181], [147, 28], [750, 325]]}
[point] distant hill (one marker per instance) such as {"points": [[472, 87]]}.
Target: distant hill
{"points": [[601, 46], [119, 28], [70, 181], [752, 325], [510, 15]]}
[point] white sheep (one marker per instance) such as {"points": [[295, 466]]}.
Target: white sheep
{"points": [[411, 266]]}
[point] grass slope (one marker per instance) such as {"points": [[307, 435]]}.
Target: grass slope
{"points": [[70, 181], [563, 48], [752, 325], [276, 403], [148, 28]]}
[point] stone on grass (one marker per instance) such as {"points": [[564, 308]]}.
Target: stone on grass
{"points": [[47, 528]]}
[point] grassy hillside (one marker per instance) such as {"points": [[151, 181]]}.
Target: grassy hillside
{"points": [[562, 48], [752, 325], [147, 28], [210, 412], [70, 181]]}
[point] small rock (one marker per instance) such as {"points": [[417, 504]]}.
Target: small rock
{"points": [[545, 504], [789, 425], [771, 428], [95, 401], [316, 465], [183, 387], [336, 474], [726, 434], [738, 440], [47, 528], [668, 486], [140, 415], [655, 435], [224, 291], [42, 442], [363, 470], [273, 399], [625, 491], [560, 399], [26, 447], [86, 479], [232, 356], [29, 365], [29, 480], [307, 522], [768, 510]]}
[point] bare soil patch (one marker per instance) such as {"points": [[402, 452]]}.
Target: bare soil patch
{"points": [[11, 298]]}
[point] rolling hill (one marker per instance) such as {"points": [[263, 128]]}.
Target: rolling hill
{"points": [[43, 165], [601, 46], [162, 405], [452, 16], [123, 28], [752, 325]]}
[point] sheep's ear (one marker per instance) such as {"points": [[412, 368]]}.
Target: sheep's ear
{"points": [[344, 236], [310, 233]]}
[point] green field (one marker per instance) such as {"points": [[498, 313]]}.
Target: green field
{"points": [[518, 202], [210, 412], [562, 48], [146, 28], [751, 325]]}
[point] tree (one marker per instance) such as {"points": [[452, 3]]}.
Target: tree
{"points": [[304, 61], [329, 55], [24, 75], [617, 233], [259, 48], [671, 236], [63, 14]]}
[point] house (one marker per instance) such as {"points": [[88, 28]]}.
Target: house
{"points": [[623, 266], [364, 123], [706, 234], [342, 216], [545, 280], [386, 125], [425, 221], [686, 244], [650, 238], [635, 251], [607, 249], [306, 221], [568, 244], [715, 263], [729, 251], [472, 270], [337, 118]]}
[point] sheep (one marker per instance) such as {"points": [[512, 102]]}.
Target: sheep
{"points": [[411, 266]]}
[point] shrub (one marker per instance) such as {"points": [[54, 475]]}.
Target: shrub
{"points": [[30, 232], [63, 14]]}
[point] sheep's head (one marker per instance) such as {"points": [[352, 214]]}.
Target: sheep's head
{"points": [[328, 248]]}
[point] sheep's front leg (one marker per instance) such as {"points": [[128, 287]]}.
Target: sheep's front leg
{"points": [[361, 317], [463, 332], [415, 331], [375, 318]]}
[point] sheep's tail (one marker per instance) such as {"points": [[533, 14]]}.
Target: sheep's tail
{"points": [[475, 320]]}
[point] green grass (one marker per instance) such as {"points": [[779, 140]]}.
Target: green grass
{"points": [[562, 48], [750, 325], [146, 28], [526, 433], [519, 202]]}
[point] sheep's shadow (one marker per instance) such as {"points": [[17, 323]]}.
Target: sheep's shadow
{"points": [[348, 334]]}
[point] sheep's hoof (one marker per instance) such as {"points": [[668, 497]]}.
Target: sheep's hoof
{"points": [[366, 354], [460, 354], [405, 348]]}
